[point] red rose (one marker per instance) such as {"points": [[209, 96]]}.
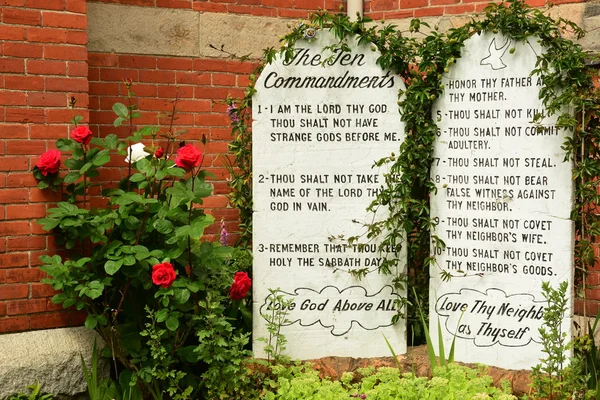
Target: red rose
{"points": [[240, 287], [163, 274], [188, 157], [49, 162], [159, 152], [81, 134]]}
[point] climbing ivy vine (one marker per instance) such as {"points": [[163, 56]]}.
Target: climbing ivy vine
{"points": [[421, 55]]}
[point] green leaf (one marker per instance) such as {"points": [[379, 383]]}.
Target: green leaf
{"points": [[91, 322], [121, 110], [59, 298], [162, 315], [181, 296], [172, 323], [119, 121], [48, 223], [95, 289], [163, 226], [101, 158], [72, 177], [137, 177], [112, 266]]}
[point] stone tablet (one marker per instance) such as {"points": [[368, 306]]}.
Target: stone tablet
{"points": [[321, 120], [504, 198]]}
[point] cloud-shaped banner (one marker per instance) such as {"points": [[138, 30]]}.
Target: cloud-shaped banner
{"points": [[492, 317], [337, 309]]}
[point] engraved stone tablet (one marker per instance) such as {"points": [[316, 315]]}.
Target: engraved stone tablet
{"points": [[321, 119], [504, 198]]}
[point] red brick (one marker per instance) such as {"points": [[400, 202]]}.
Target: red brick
{"points": [[46, 35], [428, 12], [20, 17], [40, 67], [46, 4], [70, 84], [103, 60], [223, 80], [14, 260], [14, 228], [25, 306], [51, 320], [12, 98], [140, 90], [459, 9], [209, 7], [58, 116], [21, 243], [77, 37], [8, 196], [25, 211], [25, 50], [182, 64], [157, 76], [14, 324], [193, 78], [194, 105], [118, 74], [21, 82], [41, 290], [14, 164], [399, 14], [24, 115], [45, 99], [48, 131], [21, 275], [25, 147], [76, 6], [12, 32], [174, 3], [210, 65], [137, 62], [10, 292], [12, 65], [22, 180], [104, 88], [2, 310], [63, 20], [65, 52], [13, 131], [16, 3]]}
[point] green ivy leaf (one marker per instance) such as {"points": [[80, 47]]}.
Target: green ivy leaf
{"points": [[72, 177]]}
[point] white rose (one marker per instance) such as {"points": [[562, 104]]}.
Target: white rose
{"points": [[137, 152]]}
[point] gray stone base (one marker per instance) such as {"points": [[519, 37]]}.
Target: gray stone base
{"points": [[50, 357]]}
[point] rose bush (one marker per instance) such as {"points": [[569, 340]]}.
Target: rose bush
{"points": [[152, 286]]}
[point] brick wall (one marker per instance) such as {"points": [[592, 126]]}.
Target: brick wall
{"points": [[43, 62]]}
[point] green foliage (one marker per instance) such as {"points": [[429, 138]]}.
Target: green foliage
{"points": [[448, 382], [553, 379], [97, 388], [585, 347], [276, 317], [157, 332], [35, 394]]}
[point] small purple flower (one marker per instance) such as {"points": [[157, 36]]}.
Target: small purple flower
{"points": [[363, 396], [232, 112], [224, 234]]}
